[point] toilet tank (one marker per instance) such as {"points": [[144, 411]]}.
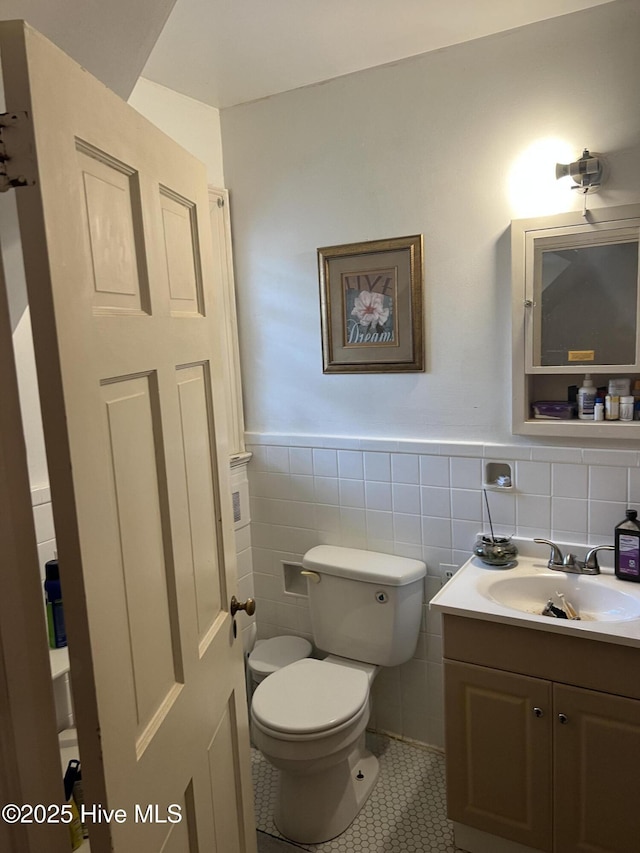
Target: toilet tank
{"points": [[364, 605]]}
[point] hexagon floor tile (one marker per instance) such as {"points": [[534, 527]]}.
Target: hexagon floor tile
{"points": [[405, 813]]}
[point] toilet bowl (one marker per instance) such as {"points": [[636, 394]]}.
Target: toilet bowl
{"points": [[309, 721], [309, 718]]}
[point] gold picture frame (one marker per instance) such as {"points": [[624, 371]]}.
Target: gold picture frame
{"points": [[371, 306]]}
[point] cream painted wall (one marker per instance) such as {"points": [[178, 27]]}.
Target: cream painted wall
{"points": [[194, 125], [427, 145]]}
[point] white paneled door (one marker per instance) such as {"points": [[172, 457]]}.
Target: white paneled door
{"points": [[125, 313]]}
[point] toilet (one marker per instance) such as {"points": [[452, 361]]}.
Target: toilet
{"points": [[309, 717], [268, 656]]}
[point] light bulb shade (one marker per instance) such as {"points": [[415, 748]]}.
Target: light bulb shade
{"points": [[586, 172]]}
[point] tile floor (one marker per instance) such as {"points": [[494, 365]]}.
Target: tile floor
{"points": [[269, 844], [404, 814]]}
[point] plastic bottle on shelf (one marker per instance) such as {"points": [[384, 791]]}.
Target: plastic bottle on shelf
{"points": [[626, 408], [53, 600], [598, 409], [586, 399], [612, 407]]}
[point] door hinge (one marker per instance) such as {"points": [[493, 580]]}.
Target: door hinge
{"points": [[17, 159]]}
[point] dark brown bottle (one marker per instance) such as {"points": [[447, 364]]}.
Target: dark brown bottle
{"points": [[627, 547]]}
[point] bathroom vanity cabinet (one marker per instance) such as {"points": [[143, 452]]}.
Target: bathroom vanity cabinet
{"points": [[542, 739], [575, 310]]}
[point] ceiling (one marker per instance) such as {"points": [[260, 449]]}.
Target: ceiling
{"points": [[111, 38], [226, 52]]}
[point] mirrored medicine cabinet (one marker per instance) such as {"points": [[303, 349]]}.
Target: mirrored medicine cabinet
{"points": [[575, 310]]}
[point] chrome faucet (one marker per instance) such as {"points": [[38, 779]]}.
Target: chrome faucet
{"points": [[569, 563]]}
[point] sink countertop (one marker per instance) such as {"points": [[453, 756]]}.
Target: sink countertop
{"points": [[462, 596]]}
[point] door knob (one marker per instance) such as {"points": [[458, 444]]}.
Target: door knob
{"points": [[249, 606]]}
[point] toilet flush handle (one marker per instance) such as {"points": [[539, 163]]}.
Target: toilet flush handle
{"points": [[249, 606], [314, 577]]}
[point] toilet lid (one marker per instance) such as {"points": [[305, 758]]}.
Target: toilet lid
{"points": [[310, 696], [271, 655]]}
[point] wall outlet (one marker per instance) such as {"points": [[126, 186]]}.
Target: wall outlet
{"points": [[447, 571]]}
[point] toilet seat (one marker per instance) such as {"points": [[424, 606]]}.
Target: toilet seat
{"points": [[310, 697]]}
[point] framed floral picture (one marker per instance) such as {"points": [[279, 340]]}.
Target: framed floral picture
{"points": [[371, 306]]}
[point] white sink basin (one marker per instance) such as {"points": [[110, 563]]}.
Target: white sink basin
{"points": [[609, 609], [593, 599]]}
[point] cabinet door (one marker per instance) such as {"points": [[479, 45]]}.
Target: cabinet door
{"points": [[596, 772], [498, 753]]}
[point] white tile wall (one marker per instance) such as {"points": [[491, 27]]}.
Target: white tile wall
{"points": [[405, 468], [570, 480], [377, 466], [424, 500]]}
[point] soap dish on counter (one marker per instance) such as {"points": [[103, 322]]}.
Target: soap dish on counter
{"points": [[498, 476]]}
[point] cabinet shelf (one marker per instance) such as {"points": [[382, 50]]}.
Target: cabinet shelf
{"points": [[575, 310], [580, 429], [554, 387], [539, 386]]}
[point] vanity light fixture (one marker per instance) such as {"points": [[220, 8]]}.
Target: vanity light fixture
{"points": [[585, 172]]}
